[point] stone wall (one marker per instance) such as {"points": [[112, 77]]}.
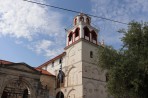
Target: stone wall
{"points": [[14, 81]]}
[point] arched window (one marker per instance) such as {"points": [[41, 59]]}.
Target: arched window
{"points": [[86, 32], [70, 37], [77, 32]]}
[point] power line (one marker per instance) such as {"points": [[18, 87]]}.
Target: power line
{"points": [[76, 12]]}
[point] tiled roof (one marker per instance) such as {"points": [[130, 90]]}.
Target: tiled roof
{"points": [[5, 62], [45, 72], [50, 61]]}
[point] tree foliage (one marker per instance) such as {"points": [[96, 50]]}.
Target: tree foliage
{"points": [[128, 67]]}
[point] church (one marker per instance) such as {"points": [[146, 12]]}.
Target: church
{"points": [[72, 74], [76, 70], [19, 80]]}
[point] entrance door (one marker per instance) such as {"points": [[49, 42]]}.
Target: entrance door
{"points": [[5, 94], [60, 95], [25, 94], [15, 89]]}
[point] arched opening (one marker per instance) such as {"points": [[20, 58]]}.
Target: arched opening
{"points": [[77, 34], [60, 95], [75, 21], [25, 93], [16, 89], [70, 38], [86, 33], [5, 94], [94, 37]]}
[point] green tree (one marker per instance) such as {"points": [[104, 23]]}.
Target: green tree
{"points": [[128, 67]]}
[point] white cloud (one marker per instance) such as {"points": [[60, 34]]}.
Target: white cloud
{"points": [[120, 10], [53, 53], [42, 46], [46, 47], [23, 19], [35, 24]]}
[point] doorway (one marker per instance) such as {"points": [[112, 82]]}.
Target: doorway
{"points": [[16, 89], [60, 95]]}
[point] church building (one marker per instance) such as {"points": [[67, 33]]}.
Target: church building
{"points": [[19, 80], [76, 70]]}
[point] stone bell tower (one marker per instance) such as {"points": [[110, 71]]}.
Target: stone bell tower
{"points": [[83, 79]]}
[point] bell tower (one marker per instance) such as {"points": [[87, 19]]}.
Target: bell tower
{"points": [[83, 79], [82, 29]]}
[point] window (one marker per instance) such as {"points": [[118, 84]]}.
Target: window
{"points": [[60, 60], [91, 54], [52, 64]]}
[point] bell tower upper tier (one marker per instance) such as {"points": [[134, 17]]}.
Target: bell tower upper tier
{"points": [[82, 29]]}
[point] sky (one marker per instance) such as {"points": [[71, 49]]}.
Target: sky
{"points": [[34, 34]]}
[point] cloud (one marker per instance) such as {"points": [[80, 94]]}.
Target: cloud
{"points": [[46, 47], [22, 19], [33, 26], [42, 46], [120, 10]]}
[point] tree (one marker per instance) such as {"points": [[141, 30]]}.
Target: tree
{"points": [[127, 67]]}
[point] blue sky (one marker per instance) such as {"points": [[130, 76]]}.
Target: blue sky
{"points": [[33, 34]]}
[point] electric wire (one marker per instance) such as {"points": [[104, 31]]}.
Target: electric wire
{"points": [[74, 11]]}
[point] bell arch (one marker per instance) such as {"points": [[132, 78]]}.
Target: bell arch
{"points": [[86, 33], [77, 33], [94, 35]]}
